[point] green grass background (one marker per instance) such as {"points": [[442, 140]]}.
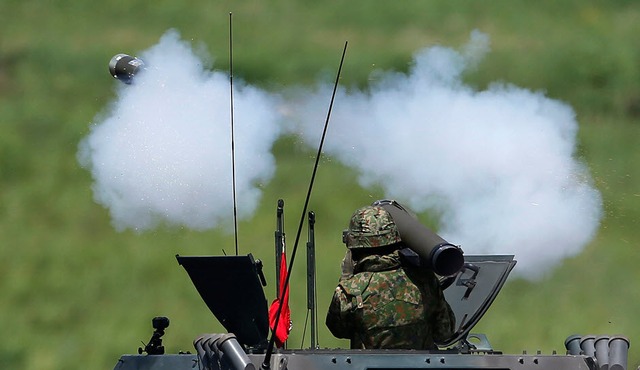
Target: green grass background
{"points": [[75, 294]]}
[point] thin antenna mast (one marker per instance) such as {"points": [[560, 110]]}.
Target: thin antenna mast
{"points": [[266, 364], [233, 149]]}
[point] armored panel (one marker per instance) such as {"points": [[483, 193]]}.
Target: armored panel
{"points": [[230, 286], [474, 289], [368, 360]]}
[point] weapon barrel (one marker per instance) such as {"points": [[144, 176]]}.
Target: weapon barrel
{"points": [[233, 352], [572, 344], [587, 344], [618, 352], [601, 344], [443, 257]]}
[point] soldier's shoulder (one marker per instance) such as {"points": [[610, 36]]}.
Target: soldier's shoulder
{"points": [[356, 284]]}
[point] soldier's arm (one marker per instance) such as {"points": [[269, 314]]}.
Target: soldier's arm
{"points": [[338, 319], [444, 319], [444, 322]]}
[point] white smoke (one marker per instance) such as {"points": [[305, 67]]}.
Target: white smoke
{"points": [[161, 154], [497, 165]]}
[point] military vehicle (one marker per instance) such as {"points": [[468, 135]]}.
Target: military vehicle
{"points": [[232, 288]]}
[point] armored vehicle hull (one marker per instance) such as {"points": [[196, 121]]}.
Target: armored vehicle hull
{"points": [[242, 310], [367, 359]]}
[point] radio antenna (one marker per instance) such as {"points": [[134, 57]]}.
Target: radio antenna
{"points": [[267, 358], [233, 149]]}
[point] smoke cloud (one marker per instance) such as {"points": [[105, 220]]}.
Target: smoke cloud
{"points": [[161, 154], [498, 166]]}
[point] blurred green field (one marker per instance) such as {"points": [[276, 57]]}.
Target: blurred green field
{"points": [[75, 293]]}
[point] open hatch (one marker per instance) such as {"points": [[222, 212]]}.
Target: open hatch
{"points": [[231, 287], [474, 288]]}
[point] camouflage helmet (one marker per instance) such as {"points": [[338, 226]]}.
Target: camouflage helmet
{"points": [[371, 226]]}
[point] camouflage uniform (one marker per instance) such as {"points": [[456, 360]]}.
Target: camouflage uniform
{"points": [[383, 302]]}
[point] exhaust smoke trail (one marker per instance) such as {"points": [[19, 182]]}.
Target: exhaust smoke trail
{"points": [[498, 166], [161, 153]]}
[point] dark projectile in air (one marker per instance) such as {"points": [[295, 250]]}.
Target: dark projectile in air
{"points": [[124, 67]]}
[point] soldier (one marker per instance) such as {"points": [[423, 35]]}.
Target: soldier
{"points": [[383, 301]]}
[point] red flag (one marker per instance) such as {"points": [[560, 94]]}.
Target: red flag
{"points": [[284, 324]]}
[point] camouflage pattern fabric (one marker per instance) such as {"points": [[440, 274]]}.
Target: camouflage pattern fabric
{"points": [[371, 226], [347, 266], [388, 305]]}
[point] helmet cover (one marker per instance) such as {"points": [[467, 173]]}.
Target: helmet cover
{"points": [[370, 227]]}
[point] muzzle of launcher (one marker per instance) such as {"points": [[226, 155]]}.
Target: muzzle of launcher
{"points": [[444, 258]]}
